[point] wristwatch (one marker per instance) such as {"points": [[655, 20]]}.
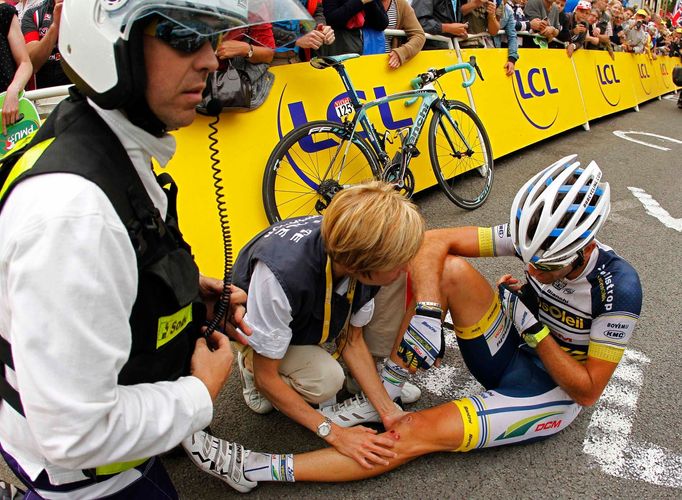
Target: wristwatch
{"points": [[249, 54], [325, 428], [533, 339]]}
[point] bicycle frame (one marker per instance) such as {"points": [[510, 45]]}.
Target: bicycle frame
{"points": [[429, 97]]}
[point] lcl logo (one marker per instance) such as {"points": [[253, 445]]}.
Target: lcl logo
{"points": [[532, 90], [644, 76], [608, 80], [664, 75]]}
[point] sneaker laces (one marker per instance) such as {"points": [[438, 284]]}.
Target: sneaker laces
{"points": [[358, 399]]}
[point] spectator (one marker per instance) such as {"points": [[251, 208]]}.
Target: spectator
{"points": [[40, 26], [23, 5], [293, 44], [544, 18], [636, 36], [439, 17], [480, 18], [507, 21], [348, 18], [617, 24], [15, 64], [401, 16], [522, 22], [578, 27], [597, 38]]}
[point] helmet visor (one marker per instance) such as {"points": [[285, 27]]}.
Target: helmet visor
{"points": [[225, 15]]}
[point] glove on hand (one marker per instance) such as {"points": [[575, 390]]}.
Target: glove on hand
{"points": [[517, 307], [423, 341]]}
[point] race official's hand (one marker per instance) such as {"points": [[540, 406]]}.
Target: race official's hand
{"points": [[423, 340], [212, 366], [210, 290], [362, 444]]}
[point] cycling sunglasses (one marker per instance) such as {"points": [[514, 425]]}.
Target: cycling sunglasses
{"points": [[553, 266], [182, 37]]}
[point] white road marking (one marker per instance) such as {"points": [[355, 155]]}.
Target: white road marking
{"points": [[608, 437], [655, 210], [626, 135]]}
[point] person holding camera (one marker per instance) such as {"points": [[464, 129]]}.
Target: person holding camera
{"points": [[579, 27], [635, 33]]}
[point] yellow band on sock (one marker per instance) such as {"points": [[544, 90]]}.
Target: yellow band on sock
{"points": [[483, 324], [470, 427]]}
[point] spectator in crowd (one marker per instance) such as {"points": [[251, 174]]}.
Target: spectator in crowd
{"points": [[522, 21], [597, 38], [255, 43], [480, 18], [348, 18], [401, 16], [293, 45], [627, 14], [40, 26], [507, 21], [15, 64], [544, 18], [23, 5], [578, 27], [617, 26], [636, 36], [439, 17]]}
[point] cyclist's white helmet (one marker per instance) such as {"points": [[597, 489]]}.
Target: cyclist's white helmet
{"points": [[559, 211], [101, 51]]}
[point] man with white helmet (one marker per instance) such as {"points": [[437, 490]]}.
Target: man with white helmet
{"points": [[104, 365], [542, 350]]}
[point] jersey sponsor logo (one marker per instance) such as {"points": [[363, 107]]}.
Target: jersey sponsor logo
{"points": [[614, 334], [605, 282], [521, 427], [554, 424], [562, 315]]}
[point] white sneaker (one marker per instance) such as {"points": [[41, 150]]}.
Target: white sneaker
{"points": [[254, 399], [409, 393], [219, 458], [353, 411]]}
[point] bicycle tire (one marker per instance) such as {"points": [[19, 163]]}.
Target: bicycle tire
{"points": [[296, 167], [465, 175]]}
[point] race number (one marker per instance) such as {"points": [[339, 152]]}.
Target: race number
{"points": [[343, 107]]}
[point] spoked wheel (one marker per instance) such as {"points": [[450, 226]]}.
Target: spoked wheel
{"points": [[310, 165], [461, 156]]}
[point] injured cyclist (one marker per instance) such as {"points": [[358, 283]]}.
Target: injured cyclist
{"points": [[542, 349]]}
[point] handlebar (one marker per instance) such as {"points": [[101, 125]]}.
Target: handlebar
{"points": [[433, 74]]}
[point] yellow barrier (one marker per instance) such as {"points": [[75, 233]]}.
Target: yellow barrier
{"points": [[548, 94]]}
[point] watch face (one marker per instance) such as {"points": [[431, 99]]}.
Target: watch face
{"points": [[324, 429]]}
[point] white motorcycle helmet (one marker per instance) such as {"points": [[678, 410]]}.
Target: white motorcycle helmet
{"points": [[558, 212], [100, 41]]}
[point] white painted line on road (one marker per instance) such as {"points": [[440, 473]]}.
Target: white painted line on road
{"points": [[626, 136], [608, 438], [653, 208]]}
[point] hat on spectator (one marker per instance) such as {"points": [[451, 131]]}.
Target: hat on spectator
{"points": [[583, 5], [641, 12]]}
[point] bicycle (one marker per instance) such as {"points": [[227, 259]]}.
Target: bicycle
{"points": [[316, 160]]}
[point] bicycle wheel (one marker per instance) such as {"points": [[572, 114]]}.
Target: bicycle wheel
{"points": [[461, 156], [311, 164]]}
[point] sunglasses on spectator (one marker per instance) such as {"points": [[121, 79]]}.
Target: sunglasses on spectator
{"points": [[550, 267], [185, 37]]}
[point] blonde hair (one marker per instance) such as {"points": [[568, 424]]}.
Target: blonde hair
{"points": [[371, 227]]}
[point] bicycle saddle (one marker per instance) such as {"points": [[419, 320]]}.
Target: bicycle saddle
{"points": [[330, 61]]}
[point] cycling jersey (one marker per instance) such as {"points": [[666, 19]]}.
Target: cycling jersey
{"points": [[594, 313]]}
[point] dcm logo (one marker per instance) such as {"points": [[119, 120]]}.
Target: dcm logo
{"points": [[536, 97], [608, 83], [644, 77]]}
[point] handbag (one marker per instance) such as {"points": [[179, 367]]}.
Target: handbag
{"points": [[241, 86]]}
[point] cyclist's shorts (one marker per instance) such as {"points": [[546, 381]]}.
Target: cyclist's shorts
{"points": [[521, 401]]}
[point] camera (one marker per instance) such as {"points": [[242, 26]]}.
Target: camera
{"points": [[638, 24]]}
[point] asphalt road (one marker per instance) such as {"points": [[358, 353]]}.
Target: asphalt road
{"points": [[626, 446]]}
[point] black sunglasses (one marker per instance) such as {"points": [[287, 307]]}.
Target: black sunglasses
{"points": [[182, 37]]}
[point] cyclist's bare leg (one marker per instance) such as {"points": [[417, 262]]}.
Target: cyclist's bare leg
{"points": [[466, 292], [419, 433]]}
